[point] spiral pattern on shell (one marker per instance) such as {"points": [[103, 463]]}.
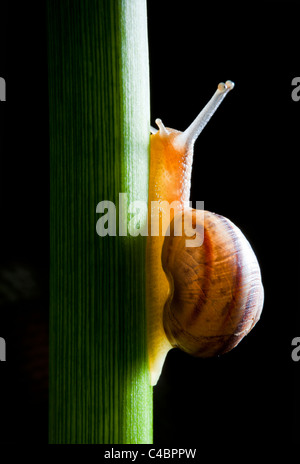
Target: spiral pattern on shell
{"points": [[216, 293]]}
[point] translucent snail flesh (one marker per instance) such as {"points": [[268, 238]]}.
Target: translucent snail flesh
{"points": [[203, 299]]}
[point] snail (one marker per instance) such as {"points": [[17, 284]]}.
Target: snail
{"points": [[202, 299]]}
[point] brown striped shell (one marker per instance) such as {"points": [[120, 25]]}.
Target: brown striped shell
{"points": [[216, 294]]}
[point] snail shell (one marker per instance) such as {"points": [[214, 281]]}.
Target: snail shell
{"points": [[216, 294]]}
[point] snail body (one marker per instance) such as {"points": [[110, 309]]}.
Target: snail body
{"points": [[202, 299]]}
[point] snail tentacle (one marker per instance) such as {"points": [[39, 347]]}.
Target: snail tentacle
{"points": [[189, 136]]}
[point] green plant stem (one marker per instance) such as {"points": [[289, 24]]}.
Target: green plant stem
{"points": [[99, 390]]}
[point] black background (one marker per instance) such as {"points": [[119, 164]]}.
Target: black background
{"points": [[244, 168]]}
